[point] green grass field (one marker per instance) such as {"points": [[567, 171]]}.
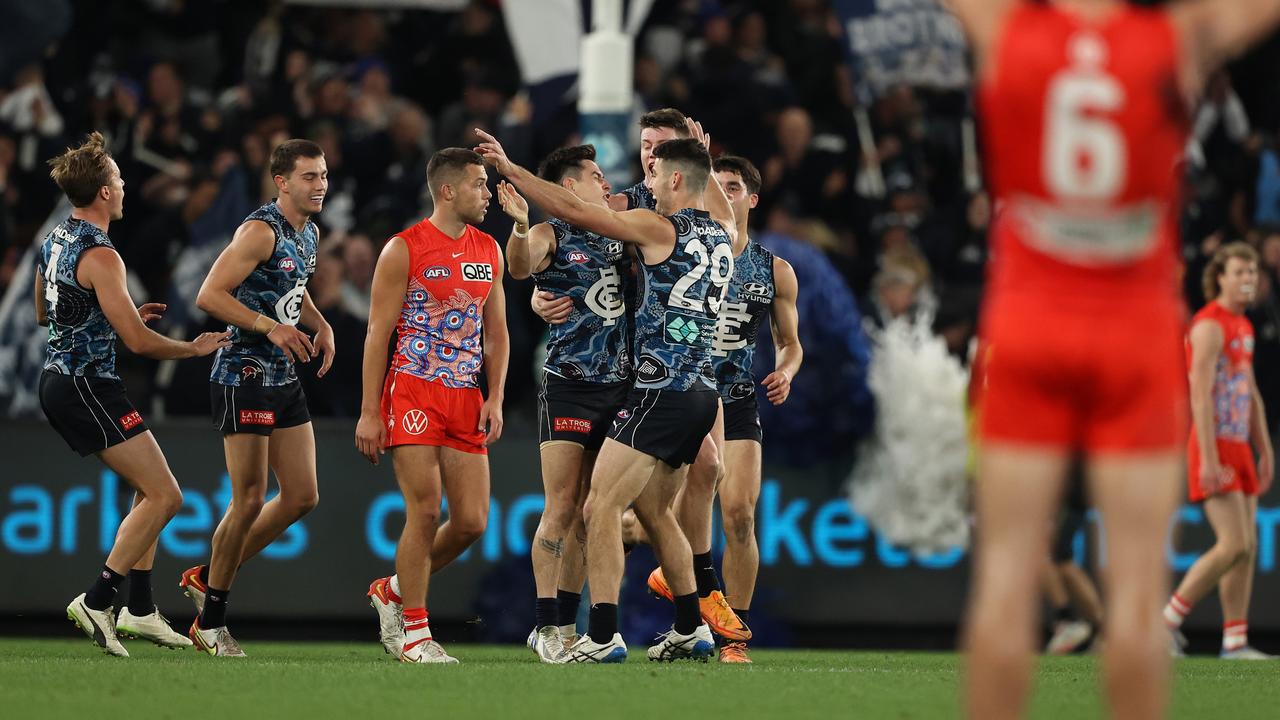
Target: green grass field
{"points": [[69, 678]]}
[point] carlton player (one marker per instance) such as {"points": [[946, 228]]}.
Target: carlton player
{"points": [[687, 262], [438, 285], [763, 286], [586, 379], [258, 285], [82, 296], [1085, 106], [1226, 412]]}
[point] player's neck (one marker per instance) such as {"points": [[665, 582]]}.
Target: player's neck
{"points": [[96, 216], [1233, 308], [740, 245], [296, 218], [448, 223]]}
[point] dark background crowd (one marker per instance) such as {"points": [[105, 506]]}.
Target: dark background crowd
{"points": [[192, 96]]}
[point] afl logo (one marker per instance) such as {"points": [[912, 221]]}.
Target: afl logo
{"points": [[414, 422], [480, 272], [287, 264], [578, 257], [436, 272]]}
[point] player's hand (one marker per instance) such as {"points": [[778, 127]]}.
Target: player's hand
{"points": [[324, 349], [371, 436], [206, 343], [1213, 476], [513, 205], [1266, 470], [553, 309], [778, 386], [697, 133], [491, 150], [491, 420], [295, 343], [151, 311]]}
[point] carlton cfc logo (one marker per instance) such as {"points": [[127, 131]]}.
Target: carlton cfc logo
{"points": [[287, 264], [414, 422]]}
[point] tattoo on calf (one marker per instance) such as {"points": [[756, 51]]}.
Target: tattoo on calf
{"points": [[555, 547]]}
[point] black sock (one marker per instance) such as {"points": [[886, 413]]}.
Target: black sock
{"points": [[627, 548], [546, 611], [705, 572], [215, 609], [140, 602], [744, 616], [688, 616], [1063, 614], [568, 602], [603, 622], [204, 575], [103, 591]]}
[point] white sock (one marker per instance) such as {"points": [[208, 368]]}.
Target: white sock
{"points": [[567, 630], [395, 585], [1235, 635], [1176, 611]]}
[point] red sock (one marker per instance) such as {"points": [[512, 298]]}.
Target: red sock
{"points": [[1235, 634], [416, 629]]}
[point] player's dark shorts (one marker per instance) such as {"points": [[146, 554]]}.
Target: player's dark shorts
{"points": [[667, 424], [1074, 508], [576, 411], [90, 413], [258, 409], [742, 419]]}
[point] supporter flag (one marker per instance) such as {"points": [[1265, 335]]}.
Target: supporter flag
{"points": [[912, 42]]}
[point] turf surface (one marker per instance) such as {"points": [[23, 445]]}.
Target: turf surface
{"points": [[71, 679]]}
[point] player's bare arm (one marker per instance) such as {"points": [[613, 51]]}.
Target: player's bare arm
{"points": [[1212, 32], [386, 299], [641, 227], [102, 271], [42, 318], [529, 249], [713, 197], [1260, 436], [1206, 347], [323, 342], [252, 245], [553, 309], [784, 320], [497, 355]]}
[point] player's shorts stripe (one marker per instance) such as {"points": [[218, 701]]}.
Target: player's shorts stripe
{"points": [[106, 415], [89, 407], [646, 412]]}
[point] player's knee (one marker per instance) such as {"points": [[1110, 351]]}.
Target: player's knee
{"points": [[471, 525], [247, 507], [425, 515], [1236, 550], [739, 521], [170, 501], [303, 504]]}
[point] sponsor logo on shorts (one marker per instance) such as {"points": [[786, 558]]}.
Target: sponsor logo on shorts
{"points": [[740, 391], [575, 425], [131, 421], [287, 264], [436, 272], [623, 414], [578, 257], [482, 272], [650, 369], [414, 422], [258, 417]]}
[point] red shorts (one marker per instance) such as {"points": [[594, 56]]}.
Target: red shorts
{"points": [[1086, 381], [423, 412], [1236, 457]]}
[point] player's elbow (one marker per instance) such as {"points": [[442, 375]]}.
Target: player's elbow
{"points": [[207, 298], [517, 271]]}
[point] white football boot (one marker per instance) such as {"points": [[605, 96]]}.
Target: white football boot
{"points": [[698, 645], [427, 652], [390, 616], [153, 627], [547, 644], [587, 650], [99, 625], [215, 641], [1068, 636]]}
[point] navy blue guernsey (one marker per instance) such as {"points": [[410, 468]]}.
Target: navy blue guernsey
{"points": [[592, 344], [745, 307], [639, 196], [680, 298], [81, 340], [274, 289]]}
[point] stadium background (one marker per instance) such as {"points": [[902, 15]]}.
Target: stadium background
{"points": [[192, 96]]}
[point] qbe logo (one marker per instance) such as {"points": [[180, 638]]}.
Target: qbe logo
{"points": [[482, 272], [414, 422]]}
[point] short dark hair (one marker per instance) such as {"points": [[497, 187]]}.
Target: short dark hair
{"points": [[665, 118], [741, 167], [285, 156], [690, 158], [81, 171], [565, 161], [447, 163]]}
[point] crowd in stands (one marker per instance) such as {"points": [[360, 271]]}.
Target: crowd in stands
{"points": [[193, 95]]}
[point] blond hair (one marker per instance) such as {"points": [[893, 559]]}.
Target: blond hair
{"points": [[1218, 265], [81, 171]]}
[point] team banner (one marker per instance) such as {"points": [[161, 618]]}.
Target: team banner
{"points": [[911, 42], [822, 565]]}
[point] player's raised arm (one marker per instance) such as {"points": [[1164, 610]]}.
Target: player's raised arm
{"points": [[1213, 32], [253, 244], [713, 197], [386, 298], [102, 270], [42, 318], [529, 249], [639, 227], [784, 320], [497, 353]]}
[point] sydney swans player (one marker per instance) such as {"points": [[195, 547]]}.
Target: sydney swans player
{"points": [[81, 295], [438, 285], [258, 285]]}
